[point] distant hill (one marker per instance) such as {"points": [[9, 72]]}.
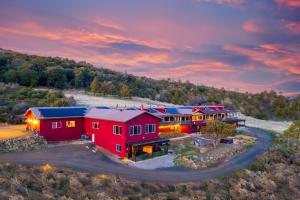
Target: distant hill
{"points": [[60, 73]]}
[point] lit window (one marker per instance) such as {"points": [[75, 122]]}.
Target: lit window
{"points": [[70, 124], [117, 130], [150, 128], [136, 130], [118, 147], [95, 125], [56, 125]]}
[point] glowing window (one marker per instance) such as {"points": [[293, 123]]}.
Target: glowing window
{"points": [[70, 124]]}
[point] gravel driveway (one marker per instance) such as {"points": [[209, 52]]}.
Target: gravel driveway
{"points": [[77, 157]]}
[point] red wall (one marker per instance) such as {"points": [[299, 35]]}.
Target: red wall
{"points": [[187, 128], [142, 120], [105, 138], [63, 133]]}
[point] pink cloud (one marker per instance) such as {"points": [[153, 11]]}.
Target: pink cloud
{"points": [[294, 27], [274, 56], [228, 2], [253, 26], [288, 3]]}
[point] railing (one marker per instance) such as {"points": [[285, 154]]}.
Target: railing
{"points": [[175, 122], [145, 156]]}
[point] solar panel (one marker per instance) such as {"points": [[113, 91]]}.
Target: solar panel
{"points": [[63, 112]]}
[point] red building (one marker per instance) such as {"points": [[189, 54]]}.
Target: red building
{"points": [[56, 123], [126, 133]]}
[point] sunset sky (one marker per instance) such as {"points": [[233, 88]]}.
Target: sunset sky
{"points": [[245, 45]]}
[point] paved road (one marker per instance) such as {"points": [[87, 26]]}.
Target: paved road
{"points": [[79, 158]]}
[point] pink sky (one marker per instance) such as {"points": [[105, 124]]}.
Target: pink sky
{"points": [[236, 44]]}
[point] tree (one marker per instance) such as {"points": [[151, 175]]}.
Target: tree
{"points": [[95, 86], [83, 77], [11, 76], [293, 132], [124, 90], [219, 130], [56, 78]]}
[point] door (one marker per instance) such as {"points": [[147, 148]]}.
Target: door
{"points": [[93, 137]]}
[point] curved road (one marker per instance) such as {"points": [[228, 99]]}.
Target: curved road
{"points": [[79, 158]]}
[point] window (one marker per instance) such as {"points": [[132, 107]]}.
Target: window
{"points": [[56, 125], [70, 124], [136, 130], [117, 130], [118, 147], [150, 128], [95, 125]]}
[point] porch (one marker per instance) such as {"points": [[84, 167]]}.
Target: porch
{"points": [[137, 151]]}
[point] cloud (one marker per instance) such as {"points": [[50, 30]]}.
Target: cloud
{"points": [[227, 2], [272, 56], [108, 23], [252, 26], [289, 87], [288, 3], [193, 44], [294, 27]]}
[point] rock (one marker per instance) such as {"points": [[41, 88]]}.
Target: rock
{"points": [[22, 144], [16, 197], [22, 190]]}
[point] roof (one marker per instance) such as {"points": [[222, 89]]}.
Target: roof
{"points": [[233, 119], [153, 141], [115, 114], [102, 107], [57, 112], [172, 110], [185, 111]]}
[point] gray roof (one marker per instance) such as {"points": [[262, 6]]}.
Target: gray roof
{"points": [[115, 114], [184, 111]]}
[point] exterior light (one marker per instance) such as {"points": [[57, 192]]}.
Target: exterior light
{"points": [[35, 122]]}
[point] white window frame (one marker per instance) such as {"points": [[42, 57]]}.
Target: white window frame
{"points": [[95, 125], [147, 128], [139, 130], [117, 130], [56, 125], [118, 148]]}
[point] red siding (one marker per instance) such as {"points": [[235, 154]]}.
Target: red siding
{"points": [[142, 120], [105, 138], [188, 128], [63, 133]]}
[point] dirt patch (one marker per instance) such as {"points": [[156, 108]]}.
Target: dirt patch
{"points": [[190, 155], [12, 131]]}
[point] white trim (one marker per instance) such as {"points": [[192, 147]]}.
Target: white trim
{"points": [[147, 128], [117, 149], [138, 130], [117, 130], [95, 125], [55, 125]]}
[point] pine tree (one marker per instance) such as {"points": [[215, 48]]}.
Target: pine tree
{"points": [[95, 86]]}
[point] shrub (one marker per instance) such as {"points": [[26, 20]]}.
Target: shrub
{"points": [[258, 165]]}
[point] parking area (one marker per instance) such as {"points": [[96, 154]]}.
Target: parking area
{"points": [[12, 131]]}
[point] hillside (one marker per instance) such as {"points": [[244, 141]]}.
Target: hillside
{"points": [[274, 175], [55, 72]]}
